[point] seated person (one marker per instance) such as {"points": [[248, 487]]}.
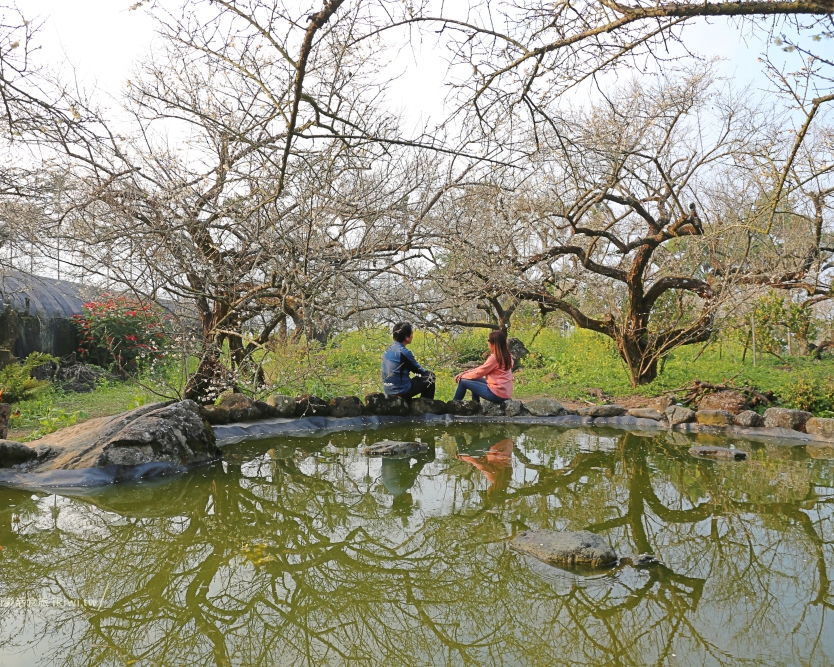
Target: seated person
{"points": [[398, 363], [493, 380]]}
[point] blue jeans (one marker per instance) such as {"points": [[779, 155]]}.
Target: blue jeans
{"points": [[479, 390]]}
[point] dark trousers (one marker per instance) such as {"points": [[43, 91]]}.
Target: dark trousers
{"points": [[420, 385]]}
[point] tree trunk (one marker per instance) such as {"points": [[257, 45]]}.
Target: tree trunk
{"points": [[210, 379]]}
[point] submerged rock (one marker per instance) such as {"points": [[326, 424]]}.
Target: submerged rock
{"points": [[724, 453], [676, 414], [784, 418], [820, 426], [545, 407], [748, 419], [639, 560], [714, 417], [602, 411], [565, 548], [386, 406], [160, 432], [240, 406], [14, 453], [396, 448], [729, 400], [282, 406], [346, 406], [646, 413]]}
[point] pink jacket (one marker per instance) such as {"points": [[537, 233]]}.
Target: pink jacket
{"points": [[499, 380]]}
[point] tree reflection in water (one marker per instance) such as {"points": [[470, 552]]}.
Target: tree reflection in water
{"points": [[306, 553]]}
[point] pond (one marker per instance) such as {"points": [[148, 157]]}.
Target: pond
{"points": [[301, 551]]}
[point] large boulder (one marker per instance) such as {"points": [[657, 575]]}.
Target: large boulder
{"points": [[157, 433], [646, 413], [282, 406], [346, 406], [821, 427], [386, 406], [396, 449], [676, 414], [785, 418], [240, 406], [748, 419], [517, 349], [14, 453], [463, 408], [308, 405], [565, 548], [714, 417], [545, 407], [731, 401], [602, 411]]}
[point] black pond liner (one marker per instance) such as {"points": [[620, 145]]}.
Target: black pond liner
{"points": [[229, 434]]}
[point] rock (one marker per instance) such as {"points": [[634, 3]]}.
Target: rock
{"points": [[660, 403], [490, 409], [215, 414], [421, 406], [346, 406], [463, 408], [639, 560], [265, 410], [282, 406], [784, 418], [5, 416], [820, 426], [517, 349], [646, 413], [386, 406], [748, 419], [676, 414], [14, 453], [602, 411], [240, 406], [308, 405], [565, 548], [159, 432], [731, 401], [714, 417], [545, 407], [513, 408], [395, 448], [718, 453]]}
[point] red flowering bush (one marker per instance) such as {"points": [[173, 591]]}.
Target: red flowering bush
{"points": [[120, 333]]}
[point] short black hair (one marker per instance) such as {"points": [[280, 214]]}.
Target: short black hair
{"points": [[402, 330]]}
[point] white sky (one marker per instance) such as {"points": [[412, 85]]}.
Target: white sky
{"points": [[102, 39]]}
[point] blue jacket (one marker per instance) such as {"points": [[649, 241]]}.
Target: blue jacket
{"points": [[397, 363]]}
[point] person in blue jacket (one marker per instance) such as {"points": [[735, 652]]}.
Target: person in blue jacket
{"points": [[398, 364]]}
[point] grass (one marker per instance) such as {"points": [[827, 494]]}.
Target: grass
{"points": [[562, 366]]}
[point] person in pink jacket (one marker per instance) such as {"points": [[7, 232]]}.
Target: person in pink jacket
{"points": [[492, 380]]}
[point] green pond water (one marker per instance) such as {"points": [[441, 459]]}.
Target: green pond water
{"points": [[304, 552]]}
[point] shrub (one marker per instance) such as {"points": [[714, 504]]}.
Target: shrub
{"points": [[120, 333], [16, 380]]}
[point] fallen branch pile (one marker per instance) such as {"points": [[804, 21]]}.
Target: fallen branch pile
{"points": [[695, 391]]}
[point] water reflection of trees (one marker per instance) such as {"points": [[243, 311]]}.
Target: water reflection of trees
{"points": [[302, 557]]}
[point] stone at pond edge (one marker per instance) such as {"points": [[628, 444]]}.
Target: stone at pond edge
{"points": [[396, 448], [386, 406], [161, 432], [265, 410], [646, 413], [545, 407], [311, 406], [731, 401], [660, 403], [820, 426], [714, 417], [602, 411], [215, 414], [240, 406], [675, 414], [14, 453], [346, 406], [463, 408], [513, 408], [283, 406], [490, 409], [748, 419], [718, 453], [784, 418], [565, 548], [421, 406]]}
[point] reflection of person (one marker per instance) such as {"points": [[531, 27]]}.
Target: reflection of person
{"points": [[398, 363], [492, 380], [496, 465]]}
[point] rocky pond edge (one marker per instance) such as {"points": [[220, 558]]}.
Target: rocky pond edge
{"points": [[173, 437]]}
